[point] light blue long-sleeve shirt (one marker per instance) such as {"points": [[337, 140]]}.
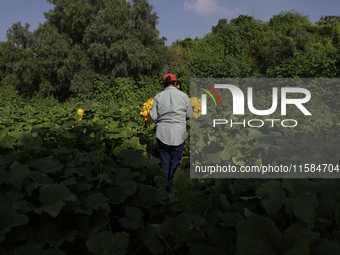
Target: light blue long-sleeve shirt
{"points": [[170, 110]]}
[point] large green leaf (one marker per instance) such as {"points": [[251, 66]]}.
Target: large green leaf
{"points": [[151, 239], [224, 238], [9, 219], [204, 247], [32, 186], [220, 202], [7, 142], [215, 152], [129, 186], [53, 251], [28, 249], [297, 239], [47, 165], [124, 174], [22, 206], [8, 159], [36, 249], [52, 197], [98, 201], [133, 219], [302, 200], [230, 219], [130, 143], [133, 158], [29, 142], [106, 243], [47, 233], [146, 195], [329, 190], [3, 175], [17, 175], [161, 196], [325, 246], [40, 178], [14, 195], [16, 134], [18, 234], [116, 194], [69, 182], [258, 235], [67, 134], [78, 171], [272, 195]]}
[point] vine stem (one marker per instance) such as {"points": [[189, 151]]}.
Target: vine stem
{"points": [[205, 212], [291, 218], [108, 222], [87, 219], [137, 249], [61, 216], [167, 245]]}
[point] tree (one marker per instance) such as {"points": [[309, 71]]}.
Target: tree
{"points": [[328, 20], [288, 39], [220, 25], [19, 40], [124, 41], [237, 35], [20, 36], [286, 21], [82, 38]]}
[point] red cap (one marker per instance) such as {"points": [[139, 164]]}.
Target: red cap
{"points": [[173, 78]]}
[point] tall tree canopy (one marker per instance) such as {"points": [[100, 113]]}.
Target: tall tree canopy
{"points": [[83, 38]]}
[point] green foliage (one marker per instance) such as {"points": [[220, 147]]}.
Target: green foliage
{"points": [[237, 35], [210, 45], [328, 20], [95, 186], [9, 55], [321, 63], [9, 96], [295, 240], [220, 25], [287, 46], [149, 85], [125, 90], [284, 21], [83, 51], [20, 36], [80, 39], [106, 243]]}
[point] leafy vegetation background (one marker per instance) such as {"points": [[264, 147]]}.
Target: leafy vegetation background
{"points": [[95, 187]]}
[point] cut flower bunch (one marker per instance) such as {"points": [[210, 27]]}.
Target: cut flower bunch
{"points": [[195, 102], [146, 111]]}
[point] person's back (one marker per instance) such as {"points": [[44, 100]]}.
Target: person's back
{"points": [[170, 110], [172, 113]]}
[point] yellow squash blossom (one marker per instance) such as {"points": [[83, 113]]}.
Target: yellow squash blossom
{"points": [[196, 103], [80, 112], [146, 111]]}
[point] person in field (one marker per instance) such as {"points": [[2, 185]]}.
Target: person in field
{"points": [[170, 110]]}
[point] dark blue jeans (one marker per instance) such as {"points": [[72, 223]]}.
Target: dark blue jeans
{"points": [[170, 158]]}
